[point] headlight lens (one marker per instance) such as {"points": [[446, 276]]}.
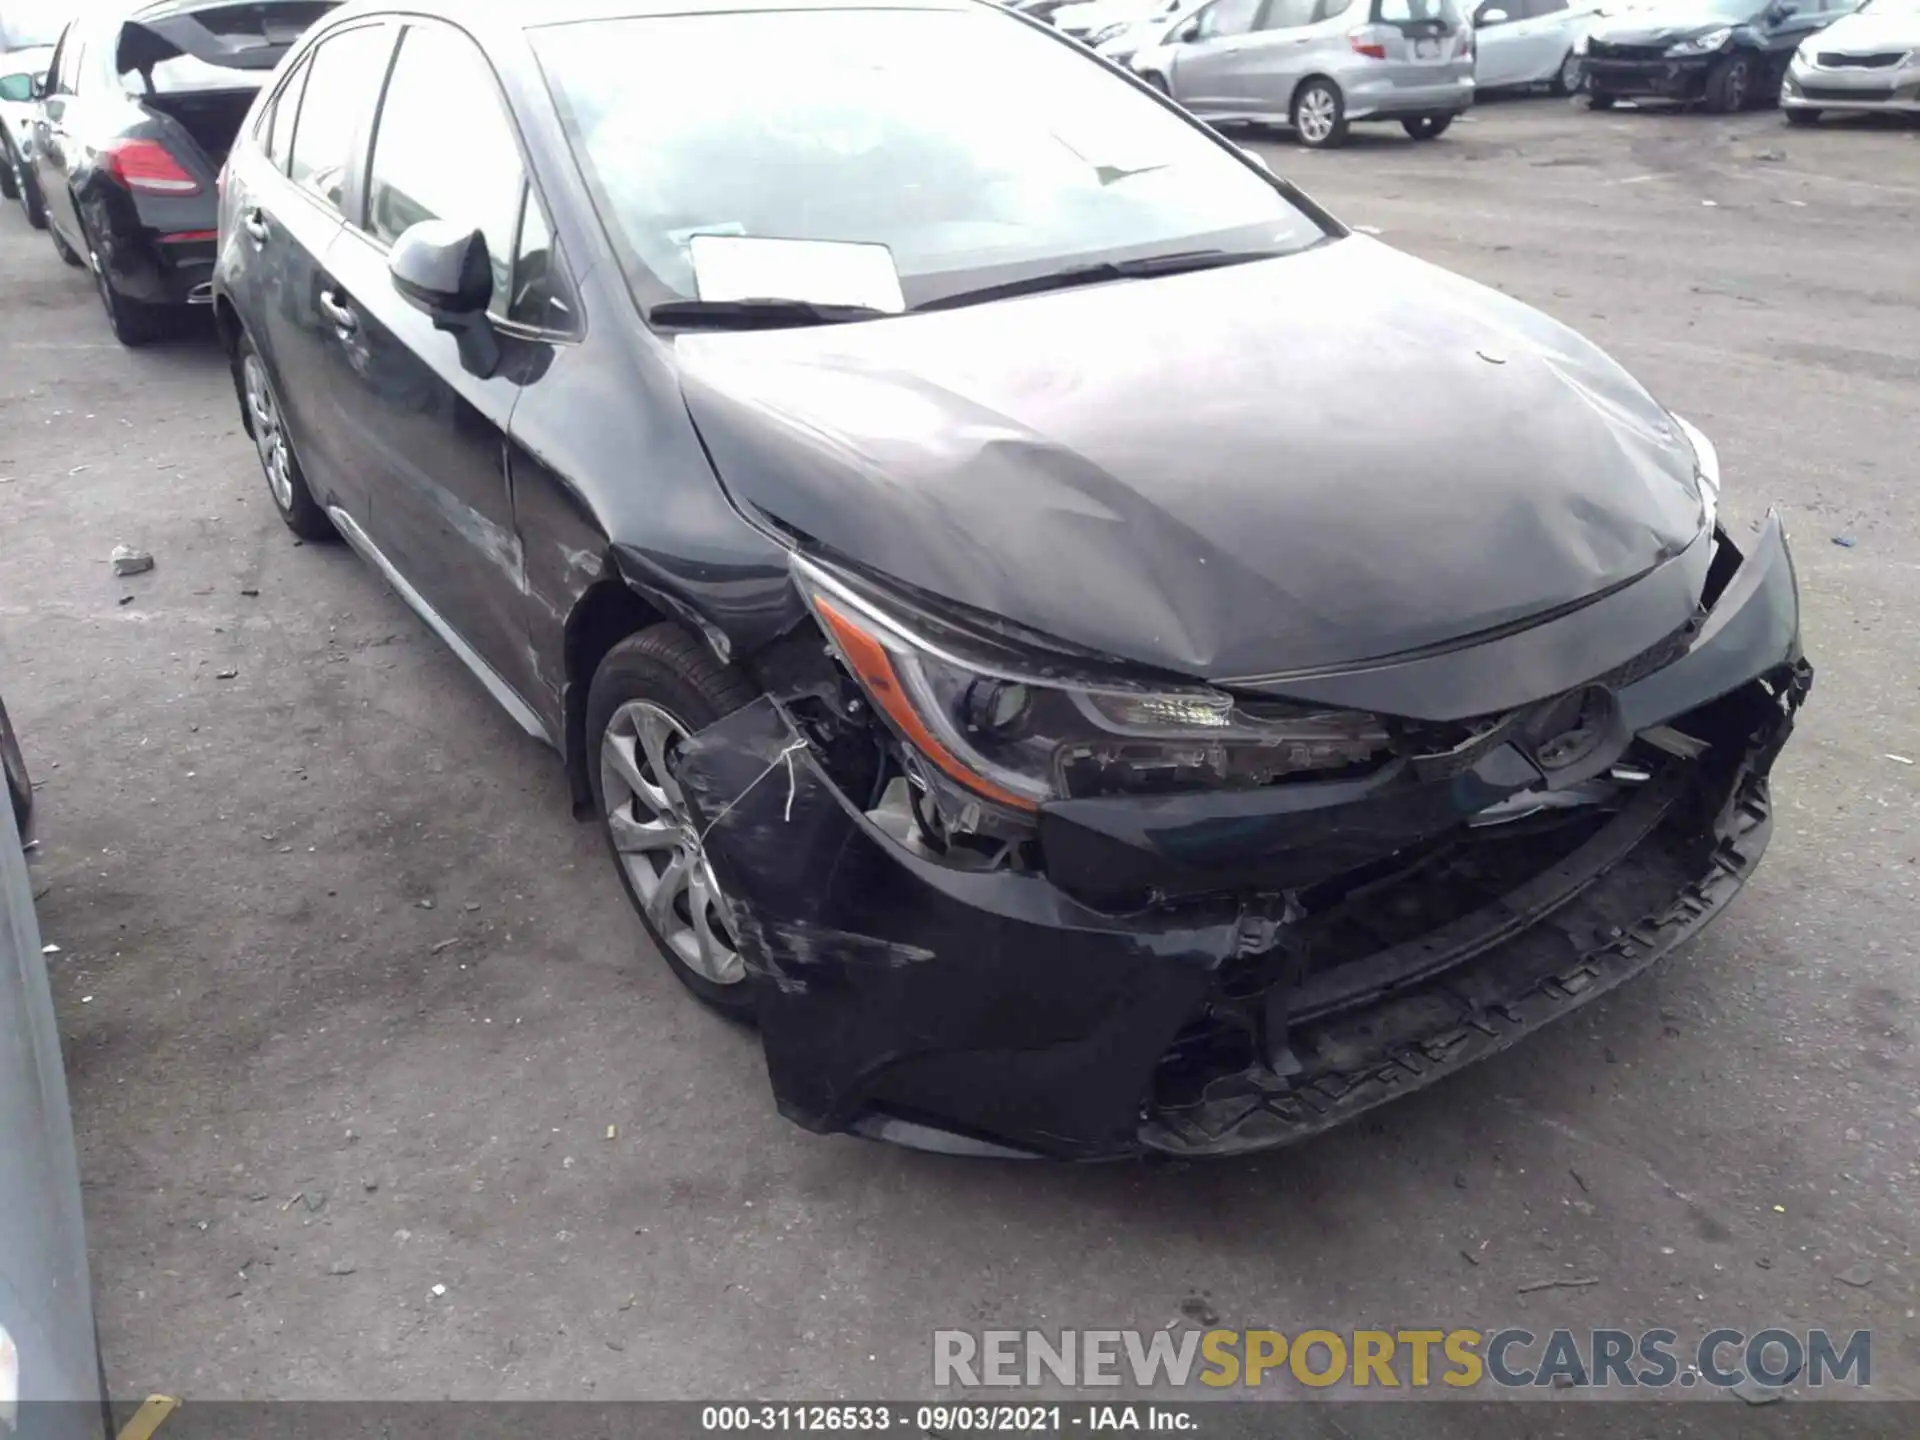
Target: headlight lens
{"points": [[1702, 44], [1020, 739]]}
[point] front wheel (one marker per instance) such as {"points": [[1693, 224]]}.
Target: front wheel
{"points": [[1730, 86], [653, 691], [1427, 127], [1319, 115], [268, 424], [1566, 80]]}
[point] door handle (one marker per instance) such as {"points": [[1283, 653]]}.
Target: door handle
{"points": [[342, 316], [256, 227]]}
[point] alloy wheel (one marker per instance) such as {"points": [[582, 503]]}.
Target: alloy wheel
{"points": [[1316, 115], [1737, 86], [1570, 73], [658, 845], [268, 436]]}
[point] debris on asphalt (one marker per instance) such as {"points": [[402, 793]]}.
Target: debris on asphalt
{"points": [[1196, 1309], [1754, 1393], [613, 1132], [615, 1345], [471, 906], [49, 949], [257, 1196], [426, 904], [340, 1267], [313, 1199], [126, 599], [369, 1186], [1779, 1209], [1580, 1180], [129, 561], [1467, 1255], [1581, 1283], [1845, 542], [1770, 155], [1899, 759], [1763, 1262], [627, 1304], [227, 674], [1859, 1275], [250, 593], [1711, 204], [445, 945], [439, 1290]]}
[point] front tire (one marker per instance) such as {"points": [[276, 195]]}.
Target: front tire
{"points": [[65, 251], [1566, 80], [266, 422], [1320, 115], [653, 691], [1600, 100], [1730, 86], [1426, 127]]}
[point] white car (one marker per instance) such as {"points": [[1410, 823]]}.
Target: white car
{"points": [[1530, 42], [1866, 62], [1120, 43], [1095, 21]]}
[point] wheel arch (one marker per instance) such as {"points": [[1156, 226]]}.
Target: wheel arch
{"points": [[606, 613], [1293, 100]]}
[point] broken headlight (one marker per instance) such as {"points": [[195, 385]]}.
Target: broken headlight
{"points": [[1020, 738], [1706, 466]]}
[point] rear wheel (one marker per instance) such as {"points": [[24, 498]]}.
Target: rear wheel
{"points": [[1566, 79], [65, 251], [653, 691], [1319, 114], [1730, 86], [1802, 117], [285, 482], [132, 322], [1600, 99], [1427, 127]]}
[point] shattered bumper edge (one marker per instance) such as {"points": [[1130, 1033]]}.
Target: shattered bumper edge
{"points": [[1485, 1007]]}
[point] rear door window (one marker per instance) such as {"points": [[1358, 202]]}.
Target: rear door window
{"points": [[1288, 14], [1228, 17], [278, 142], [343, 81], [445, 149]]}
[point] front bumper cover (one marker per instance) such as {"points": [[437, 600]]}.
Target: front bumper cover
{"points": [[1684, 78], [904, 996]]}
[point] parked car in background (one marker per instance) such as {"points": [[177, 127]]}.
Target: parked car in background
{"points": [[940, 503], [1318, 65], [1725, 55], [135, 119], [1865, 62], [1530, 42], [20, 72], [28, 29], [50, 1376], [1122, 44], [1094, 21]]}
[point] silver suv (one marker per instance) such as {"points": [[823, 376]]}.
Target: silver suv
{"points": [[1317, 65]]}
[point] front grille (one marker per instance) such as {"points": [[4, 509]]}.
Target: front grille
{"points": [[1602, 50], [1854, 93], [1831, 60]]}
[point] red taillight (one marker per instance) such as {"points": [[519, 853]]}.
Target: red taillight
{"points": [[1367, 48], [145, 165], [189, 237]]}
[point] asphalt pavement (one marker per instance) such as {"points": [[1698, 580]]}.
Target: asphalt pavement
{"points": [[380, 1093]]}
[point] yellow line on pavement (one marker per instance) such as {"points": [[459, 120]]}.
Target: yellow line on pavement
{"points": [[147, 1418]]}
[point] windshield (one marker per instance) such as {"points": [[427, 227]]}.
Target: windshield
{"points": [[974, 147], [25, 23]]}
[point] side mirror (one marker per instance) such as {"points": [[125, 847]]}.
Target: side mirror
{"points": [[444, 270], [1492, 17], [1187, 33], [16, 88]]}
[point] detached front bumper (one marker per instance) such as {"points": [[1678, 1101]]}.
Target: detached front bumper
{"points": [[1662, 78], [908, 997]]}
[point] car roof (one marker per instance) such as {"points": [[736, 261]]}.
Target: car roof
{"points": [[532, 14]]}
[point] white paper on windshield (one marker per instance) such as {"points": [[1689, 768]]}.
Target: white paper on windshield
{"points": [[827, 272]]}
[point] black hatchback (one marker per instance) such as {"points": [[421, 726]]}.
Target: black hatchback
{"points": [[936, 497], [137, 111]]}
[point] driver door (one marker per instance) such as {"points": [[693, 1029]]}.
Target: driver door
{"points": [[1499, 43], [1213, 71]]}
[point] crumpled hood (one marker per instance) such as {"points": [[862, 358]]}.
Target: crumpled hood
{"points": [[1661, 25], [1316, 460]]}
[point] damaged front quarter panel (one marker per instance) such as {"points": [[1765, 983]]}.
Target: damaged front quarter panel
{"points": [[893, 981]]}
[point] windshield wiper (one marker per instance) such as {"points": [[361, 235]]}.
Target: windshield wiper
{"points": [[1175, 263], [756, 314]]}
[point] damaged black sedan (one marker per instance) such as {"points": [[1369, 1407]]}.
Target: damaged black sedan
{"points": [[1095, 657]]}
